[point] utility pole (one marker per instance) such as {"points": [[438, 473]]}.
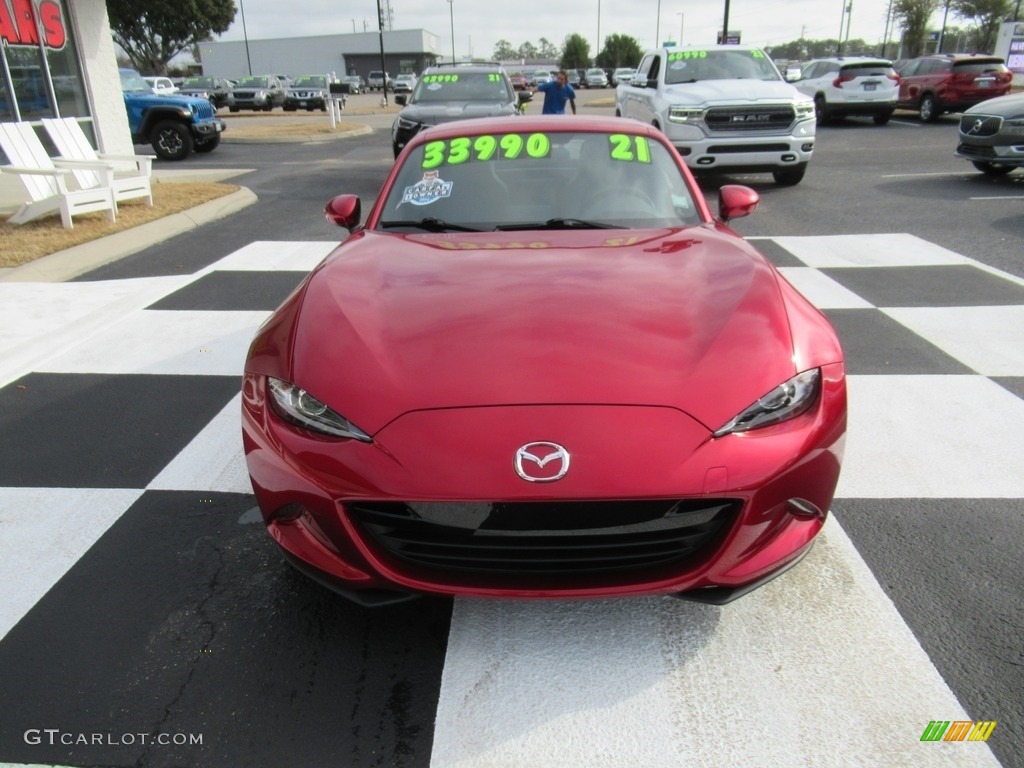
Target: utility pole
{"points": [[725, 24]]}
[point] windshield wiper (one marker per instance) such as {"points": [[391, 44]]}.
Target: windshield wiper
{"points": [[430, 224], [556, 224]]}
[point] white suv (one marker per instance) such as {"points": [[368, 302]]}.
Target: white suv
{"points": [[851, 85]]}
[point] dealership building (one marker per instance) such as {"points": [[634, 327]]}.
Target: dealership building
{"points": [[411, 50], [58, 59]]}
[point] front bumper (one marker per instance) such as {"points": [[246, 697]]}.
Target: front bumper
{"points": [[748, 506], [702, 151]]}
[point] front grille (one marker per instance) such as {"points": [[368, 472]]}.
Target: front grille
{"points": [[205, 111], [503, 541], [980, 125], [245, 94], [750, 119], [741, 149]]}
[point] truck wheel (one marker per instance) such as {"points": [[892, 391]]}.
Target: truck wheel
{"points": [[171, 140], [791, 176], [820, 110], [208, 145]]}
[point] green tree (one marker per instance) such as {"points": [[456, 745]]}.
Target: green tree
{"points": [[547, 50], [527, 51], [575, 52], [914, 16], [987, 15], [620, 51], [152, 32], [504, 51]]}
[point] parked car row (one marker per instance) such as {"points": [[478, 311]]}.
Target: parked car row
{"points": [[929, 85]]}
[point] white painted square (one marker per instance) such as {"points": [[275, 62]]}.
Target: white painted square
{"points": [[990, 340], [41, 320], [821, 290], [932, 437], [43, 532], [213, 461], [267, 256], [183, 343], [837, 677], [887, 250]]}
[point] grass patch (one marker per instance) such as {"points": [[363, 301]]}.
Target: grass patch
{"points": [[26, 242]]}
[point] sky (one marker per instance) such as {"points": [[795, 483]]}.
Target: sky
{"points": [[479, 24]]}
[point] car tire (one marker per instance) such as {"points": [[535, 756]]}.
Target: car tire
{"points": [[232, 109], [820, 110], [171, 140], [882, 118], [208, 145], [790, 177], [929, 111], [992, 169]]}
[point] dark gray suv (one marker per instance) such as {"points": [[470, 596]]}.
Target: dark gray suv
{"points": [[448, 93]]}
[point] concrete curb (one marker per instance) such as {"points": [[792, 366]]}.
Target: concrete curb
{"points": [[72, 262], [226, 138]]}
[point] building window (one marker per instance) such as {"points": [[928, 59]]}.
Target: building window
{"points": [[31, 86]]}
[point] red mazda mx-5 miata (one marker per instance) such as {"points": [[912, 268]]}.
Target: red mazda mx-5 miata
{"points": [[544, 368]]}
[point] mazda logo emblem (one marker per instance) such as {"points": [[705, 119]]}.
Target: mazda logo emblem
{"points": [[542, 462]]}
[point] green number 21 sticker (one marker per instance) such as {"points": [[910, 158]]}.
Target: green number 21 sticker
{"points": [[632, 149]]}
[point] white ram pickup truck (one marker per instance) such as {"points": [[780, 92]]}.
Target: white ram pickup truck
{"points": [[725, 108]]}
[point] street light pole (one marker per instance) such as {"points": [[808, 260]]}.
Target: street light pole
{"points": [[451, 18], [681, 17], [245, 36]]}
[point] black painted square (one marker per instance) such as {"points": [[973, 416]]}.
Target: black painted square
{"points": [[233, 291]]}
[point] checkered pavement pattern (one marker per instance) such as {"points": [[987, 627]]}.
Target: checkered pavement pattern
{"points": [[121, 461]]}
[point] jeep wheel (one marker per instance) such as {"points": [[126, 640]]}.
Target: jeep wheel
{"points": [[791, 176], [991, 169], [171, 140], [208, 145], [929, 110]]}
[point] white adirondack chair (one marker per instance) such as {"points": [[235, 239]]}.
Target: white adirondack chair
{"points": [[72, 144], [46, 183]]}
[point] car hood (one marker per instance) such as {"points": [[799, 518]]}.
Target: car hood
{"points": [[388, 324], [443, 112], [732, 92], [1004, 106], [163, 100]]}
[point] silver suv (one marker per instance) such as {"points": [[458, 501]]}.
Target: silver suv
{"points": [[851, 85]]}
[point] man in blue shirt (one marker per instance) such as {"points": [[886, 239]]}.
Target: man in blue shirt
{"points": [[556, 93]]}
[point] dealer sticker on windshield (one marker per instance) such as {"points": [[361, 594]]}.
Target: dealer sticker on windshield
{"points": [[427, 190], [508, 147]]}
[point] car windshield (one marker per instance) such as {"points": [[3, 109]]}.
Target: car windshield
{"points": [[253, 82], [692, 66], [868, 69], [310, 82], [544, 180], [132, 82], [199, 82], [462, 86], [979, 67]]}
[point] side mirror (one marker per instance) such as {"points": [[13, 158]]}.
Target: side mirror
{"points": [[525, 96], [736, 201], [344, 211], [400, 99]]}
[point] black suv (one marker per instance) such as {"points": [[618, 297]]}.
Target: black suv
{"points": [[447, 93], [216, 89]]}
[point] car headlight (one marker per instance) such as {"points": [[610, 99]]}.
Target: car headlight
{"points": [[786, 401], [804, 110], [685, 114], [298, 407]]}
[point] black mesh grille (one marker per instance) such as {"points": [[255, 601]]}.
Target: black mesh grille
{"points": [[979, 153], [546, 539], [749, 119]]}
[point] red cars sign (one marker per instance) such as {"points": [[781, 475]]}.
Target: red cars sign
{"points": [[20, 28]]}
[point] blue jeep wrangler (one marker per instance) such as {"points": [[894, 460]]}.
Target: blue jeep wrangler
{"points": [[174, 125]]}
